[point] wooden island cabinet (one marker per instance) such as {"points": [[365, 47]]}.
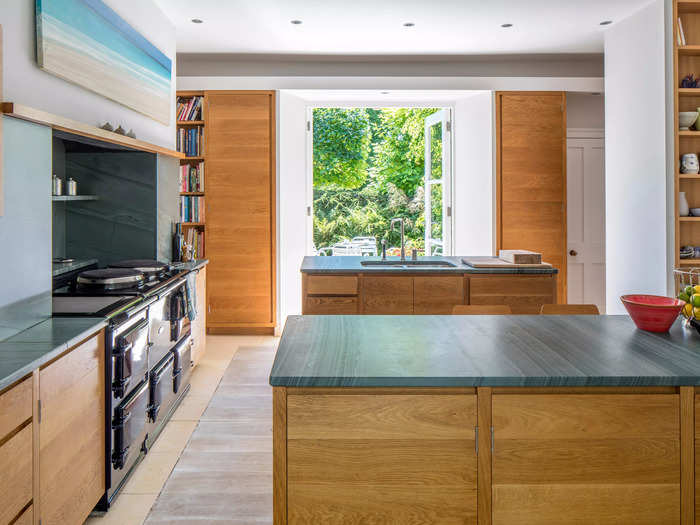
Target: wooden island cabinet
{"points": [[443, 420]]}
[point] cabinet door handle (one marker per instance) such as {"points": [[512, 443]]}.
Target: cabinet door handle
{"points": [[573, 253], [476, 440]]}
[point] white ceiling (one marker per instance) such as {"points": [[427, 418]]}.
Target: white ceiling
{"points": [[371, 27]]}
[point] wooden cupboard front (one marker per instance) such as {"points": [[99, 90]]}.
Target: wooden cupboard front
{"points": [[432, 294], [515, 456]]}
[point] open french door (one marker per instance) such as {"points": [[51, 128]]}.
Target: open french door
{"points": [[438, 188]]}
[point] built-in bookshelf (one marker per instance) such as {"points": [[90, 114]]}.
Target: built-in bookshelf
{"points": [[191, 140]]}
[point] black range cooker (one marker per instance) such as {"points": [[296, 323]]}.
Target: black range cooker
{"points": [[148, 353]]}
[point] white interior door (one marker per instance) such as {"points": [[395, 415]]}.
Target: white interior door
{"points": [[438, 187], [586, 221]]}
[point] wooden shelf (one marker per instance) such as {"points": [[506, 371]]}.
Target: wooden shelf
{"points": [[66, 198], [689, 176], [689, 219], [193, 224], [189, 159], [79, 128], [690, 262], [192, 193], [690, 50], [689, 92], [199, 122]]}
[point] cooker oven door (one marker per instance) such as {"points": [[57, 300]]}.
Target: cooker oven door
{"points": [[182, 365], [169, 321], [129, 357], [162, 395], [129, 431]]}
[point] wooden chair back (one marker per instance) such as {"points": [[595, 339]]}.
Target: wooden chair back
{"points": [[569, 309], [482, 309]]}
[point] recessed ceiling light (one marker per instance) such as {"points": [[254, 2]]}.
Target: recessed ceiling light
{"points": [[606, 22], [506, 25], [384, 92], [197, 21], [296, 22], [408, 24]]}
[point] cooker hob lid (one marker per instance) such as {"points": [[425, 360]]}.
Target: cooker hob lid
{"points": [[111, 278]]}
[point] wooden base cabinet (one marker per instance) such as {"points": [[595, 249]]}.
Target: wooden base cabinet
{"points": [[501, 456], [432, 294], [72, 434]]}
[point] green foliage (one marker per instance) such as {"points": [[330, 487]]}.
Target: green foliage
{"points": [[369, 168], [341, 147]]}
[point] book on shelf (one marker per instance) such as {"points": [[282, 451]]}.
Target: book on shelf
{"points": [[191, 208], [190, 141], [680, 36], [189, 108], [192, 178], [195, 238]]}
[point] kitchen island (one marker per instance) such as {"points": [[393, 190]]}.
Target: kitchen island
{"points": [[484, 419], [347, 285]]}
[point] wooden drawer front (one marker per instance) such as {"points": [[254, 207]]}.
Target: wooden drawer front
{"points": [[437, 294], [602, 459], [27, 517], [330, 305], [15, 407], [331, 284], [15, 474], [387, 295], [381, 459], [524, 294], [72, 434]]}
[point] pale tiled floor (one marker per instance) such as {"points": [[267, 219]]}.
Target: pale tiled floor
{"points": [[243, 398]]}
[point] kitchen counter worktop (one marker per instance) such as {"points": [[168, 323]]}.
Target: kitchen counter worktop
{"points": [[191, 265], [352, 264], [453, 351], [59, 268], [39, 344]]}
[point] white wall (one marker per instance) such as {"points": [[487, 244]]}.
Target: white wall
{"points": [[585, 111], [473, 181], [26, 84], [635, 164]]}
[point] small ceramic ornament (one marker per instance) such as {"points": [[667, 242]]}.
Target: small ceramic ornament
{"points": [[131, 134], [690, 164], [107, 126], [683, 208]]}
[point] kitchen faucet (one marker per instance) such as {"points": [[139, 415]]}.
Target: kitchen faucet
{"points": [[403, 239]]}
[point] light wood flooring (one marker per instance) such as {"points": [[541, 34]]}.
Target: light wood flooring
{"points": [[213, 462]]}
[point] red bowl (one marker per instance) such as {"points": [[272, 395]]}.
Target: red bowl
{"points": [[653, 313]]}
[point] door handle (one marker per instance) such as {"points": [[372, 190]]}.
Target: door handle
{"points": [[573, 253]]}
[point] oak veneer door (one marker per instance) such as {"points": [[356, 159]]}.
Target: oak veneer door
{"points": [[561, 459], [381, 458], [240, 209], [531, 176], [437, 295], [386, 295]]}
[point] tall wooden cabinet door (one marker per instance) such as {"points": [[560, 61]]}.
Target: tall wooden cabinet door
{"points": [[437, 294], [531, 176], [386, 295], [562, 459], [72, 434], [240, 208]]}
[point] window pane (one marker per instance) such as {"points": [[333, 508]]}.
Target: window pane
{"points": [[436, 151]]}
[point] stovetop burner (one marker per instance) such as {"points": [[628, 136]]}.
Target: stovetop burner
{"points": [[110, 279], [152, 269]]}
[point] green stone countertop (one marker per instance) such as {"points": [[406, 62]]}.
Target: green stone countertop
{"points": [[350, 264], [474, 350], [35, 346]]}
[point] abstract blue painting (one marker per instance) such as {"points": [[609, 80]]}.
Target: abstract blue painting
{"points": [[87, 43]]}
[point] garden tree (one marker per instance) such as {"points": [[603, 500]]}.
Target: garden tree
{"points": [[368, 168], [341, 147]]}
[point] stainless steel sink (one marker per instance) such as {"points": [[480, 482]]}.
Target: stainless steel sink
{"points": [[426, 263]]}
